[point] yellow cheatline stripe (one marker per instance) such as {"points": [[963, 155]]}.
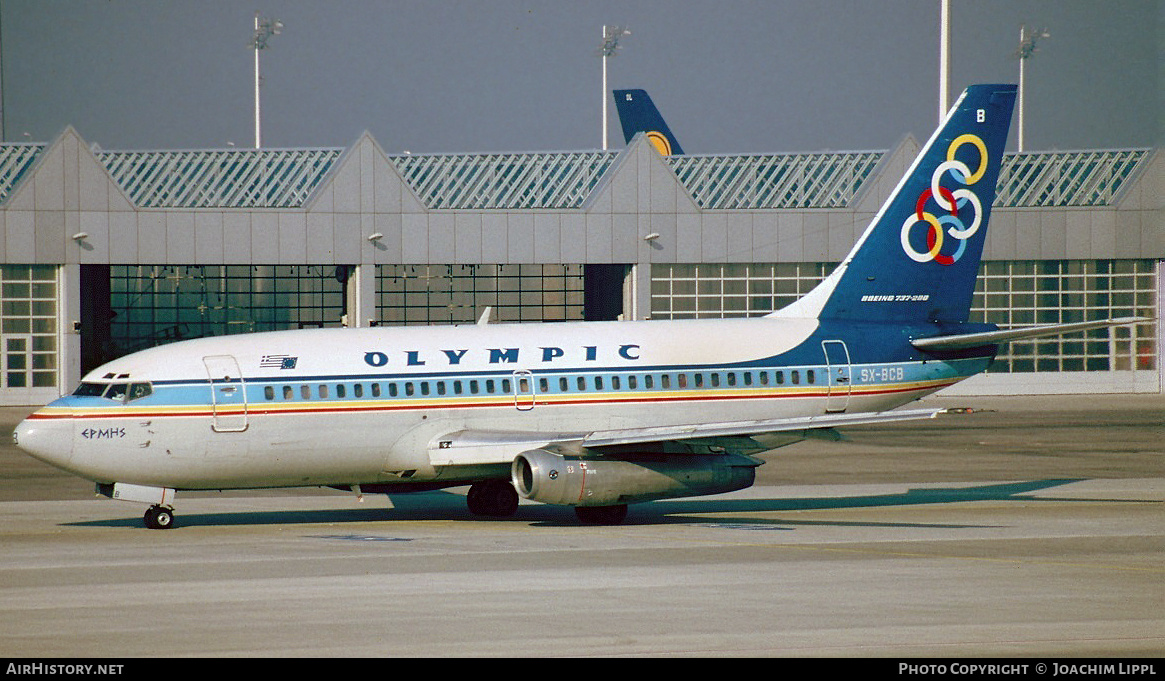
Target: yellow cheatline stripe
{"points": [[499, 400]]}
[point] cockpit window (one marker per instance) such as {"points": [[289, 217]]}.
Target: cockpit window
{"points": [[116, 391], [137, 390], [120, 392], [90, 389]]}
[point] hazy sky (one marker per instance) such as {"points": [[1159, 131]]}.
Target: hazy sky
{"points": [[524, 75]]}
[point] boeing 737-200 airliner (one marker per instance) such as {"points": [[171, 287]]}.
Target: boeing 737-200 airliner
{"points": [[594, 415]]}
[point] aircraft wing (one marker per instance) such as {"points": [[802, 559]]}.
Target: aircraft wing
{"points": [[473, 447], [630, 436], [972, 340]]}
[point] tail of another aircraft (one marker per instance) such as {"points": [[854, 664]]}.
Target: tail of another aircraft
{"points": [[637, 113], [918, 259]]}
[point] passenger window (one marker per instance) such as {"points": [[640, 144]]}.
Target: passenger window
{"points": [[796, 377], [456, 387], [665, 381], [563, 384], [323, 392], [731, 379], [614, 383], [632, 383], [582, 383], [340, 391], [287, 392], [358, 390], [811, 376], [473, 387], [269, 392], [375, 390], [648, 382], [305, 392], [598, 382], [715, 380], [489, 386], [682, 380], [764, 378]]}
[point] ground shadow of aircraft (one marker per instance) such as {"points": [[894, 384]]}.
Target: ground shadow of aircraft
{"points": [[445, 505]]}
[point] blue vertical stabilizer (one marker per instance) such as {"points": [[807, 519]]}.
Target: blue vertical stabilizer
{"points": [[918, 259], [637, 113]]}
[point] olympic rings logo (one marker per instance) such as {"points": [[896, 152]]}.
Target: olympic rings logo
{"points": [[950, 201]]}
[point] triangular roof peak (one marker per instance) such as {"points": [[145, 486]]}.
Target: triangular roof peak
{"points": [[43, 185], [364, 180], [640, 165]]}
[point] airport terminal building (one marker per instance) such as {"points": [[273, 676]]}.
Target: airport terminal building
{"points": [[107, 252]]}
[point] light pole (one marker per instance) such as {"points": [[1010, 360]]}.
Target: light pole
{"points": [[1027, 47], [264, 29], [611, 36], [944, 59]]}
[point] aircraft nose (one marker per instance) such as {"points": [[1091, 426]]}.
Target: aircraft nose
{"points": [[45, 437]]}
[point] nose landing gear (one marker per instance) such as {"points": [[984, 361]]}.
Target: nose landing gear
{"points": [[161, 513]]}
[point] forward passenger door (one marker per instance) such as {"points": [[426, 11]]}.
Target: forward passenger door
{"points": [[228, 393]]}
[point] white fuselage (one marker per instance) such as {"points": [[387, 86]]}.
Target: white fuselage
{"points": [[365, 406]]}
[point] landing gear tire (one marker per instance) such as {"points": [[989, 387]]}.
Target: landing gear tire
{"points": [[496, 498], [601, 515], [159, 518]]}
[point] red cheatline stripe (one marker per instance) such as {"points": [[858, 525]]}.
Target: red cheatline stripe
{"points": [[117, 412]]}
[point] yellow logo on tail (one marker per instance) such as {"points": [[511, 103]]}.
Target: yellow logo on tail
{"points": [[659, 141]]}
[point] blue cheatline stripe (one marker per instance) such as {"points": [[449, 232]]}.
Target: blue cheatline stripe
{"points": [[440, 390]]}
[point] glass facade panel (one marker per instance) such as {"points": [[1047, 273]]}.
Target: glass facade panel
{"points": [[730, 290], [158, 304], [457, 294], [1008, 293], [28, 326], [1070, 291]]}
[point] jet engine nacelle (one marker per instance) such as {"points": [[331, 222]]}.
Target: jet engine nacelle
{"points": [[551, 478]]}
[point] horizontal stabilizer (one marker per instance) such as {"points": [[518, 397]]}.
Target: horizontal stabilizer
{"points": [[974, 340]]}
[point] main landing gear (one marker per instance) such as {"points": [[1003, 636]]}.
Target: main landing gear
{"points": [[159, 518], [496, 498]]}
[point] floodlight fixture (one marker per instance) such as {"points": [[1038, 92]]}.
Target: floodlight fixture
{"points": [[611, 36], [1027, 41], [1027, 48]]}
